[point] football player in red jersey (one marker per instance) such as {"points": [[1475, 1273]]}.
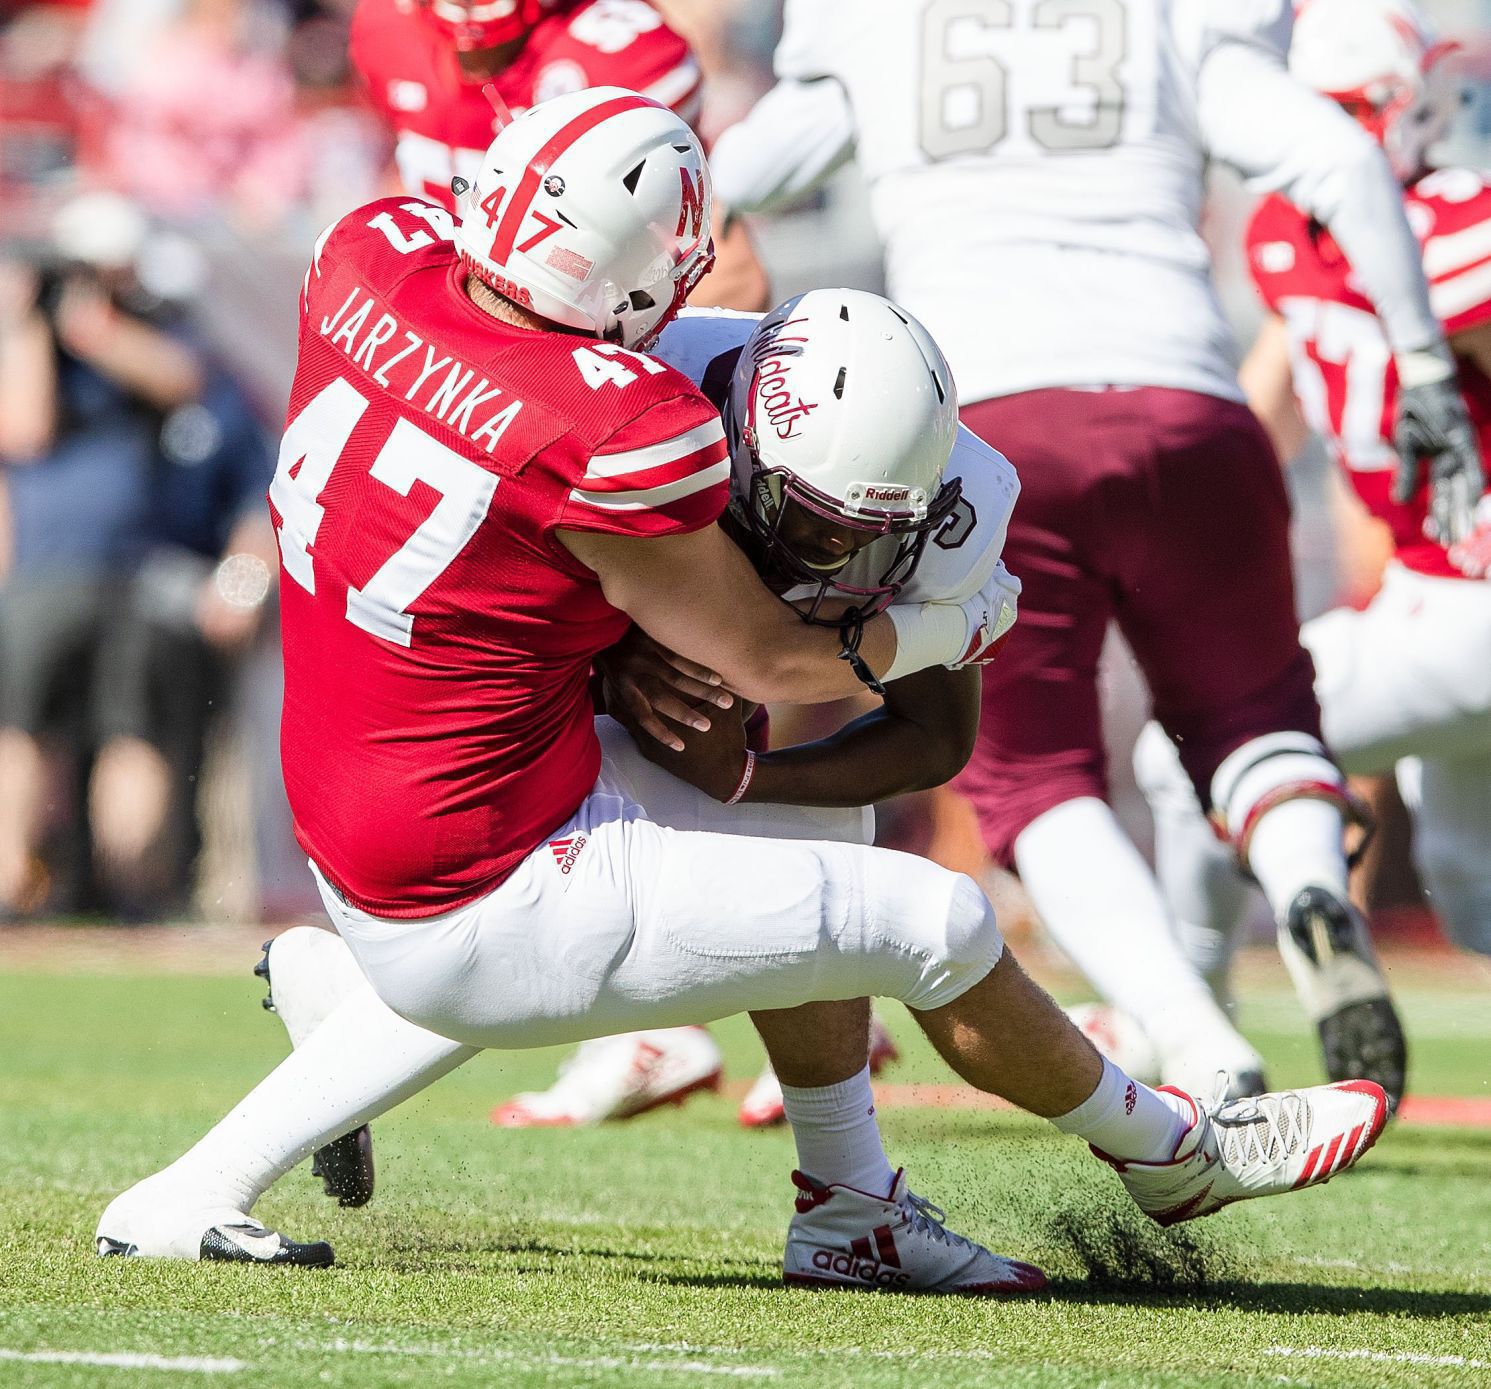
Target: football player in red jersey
{"points": [[482, 485], [424, 64], [1404, 683]]}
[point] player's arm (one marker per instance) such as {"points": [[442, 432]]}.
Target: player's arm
{"points": [[798, 134], [921, 736], [697, 594], [738, 280], [1268, 382], [1284, 137]]}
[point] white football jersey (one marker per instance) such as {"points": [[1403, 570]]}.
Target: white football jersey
{"points": [[704, 343], [1037, 170]]}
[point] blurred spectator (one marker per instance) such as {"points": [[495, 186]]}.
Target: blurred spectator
{"points": [[140, 555], [207, 115]]}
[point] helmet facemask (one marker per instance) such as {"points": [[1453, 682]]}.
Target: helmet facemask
{"points": [[475, 27], [779, 502]]}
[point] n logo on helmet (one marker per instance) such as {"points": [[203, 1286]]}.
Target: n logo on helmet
{"points": [[691, 205]]}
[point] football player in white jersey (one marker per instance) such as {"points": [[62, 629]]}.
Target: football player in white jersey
{"points": [[1036, 172], [1405, 683], [815, 436]]}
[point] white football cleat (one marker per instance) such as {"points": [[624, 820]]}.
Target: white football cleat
{"points": [[154, 1220], [619, 1077], [842, 1238], [1264, 1146], [762, 1105]]}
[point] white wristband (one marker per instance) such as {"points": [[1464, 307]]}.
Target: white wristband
{"points": [[1424, 366], [927, 634], [745, 777]]}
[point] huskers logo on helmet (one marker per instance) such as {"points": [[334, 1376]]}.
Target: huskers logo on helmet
{"points": [[841, 418], [595, 207]]}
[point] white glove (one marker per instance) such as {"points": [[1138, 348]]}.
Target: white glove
{"points": [[955, 634], [990, 615]]}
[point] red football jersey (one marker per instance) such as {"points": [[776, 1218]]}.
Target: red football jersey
{"points": [[1344, 375], [437, 635], [443, 124]]}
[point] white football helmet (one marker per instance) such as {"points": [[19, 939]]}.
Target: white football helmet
{"points": [[841, 407], [1382, 61], [591, 210]]}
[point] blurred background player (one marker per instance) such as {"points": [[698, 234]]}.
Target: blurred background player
{"points": [[1405, 682], [1036, 173], [424, 64]]}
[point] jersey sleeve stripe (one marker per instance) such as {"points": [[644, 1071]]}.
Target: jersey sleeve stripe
{"points": [[1443, 255], [678, 86], [643, 478], [1452, 297], [698, 439], [650, 498]]}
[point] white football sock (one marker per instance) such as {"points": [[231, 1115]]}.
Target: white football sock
{"points": [[1128, 1120], [361, 1062], [1102, 906], [1295, 845], [838, 1140]]}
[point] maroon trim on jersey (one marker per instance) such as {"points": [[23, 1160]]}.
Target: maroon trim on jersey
{"points": [[538, 166]]}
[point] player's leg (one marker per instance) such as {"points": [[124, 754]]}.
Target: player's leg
{"points": [[360, 1062], [622, 1076], [1038, 775], [1451, 804], [1207, 603], [1198, 874]]}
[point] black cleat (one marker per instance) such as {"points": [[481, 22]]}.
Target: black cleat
{"points": [[1361, 1038], [1364, 1041], [345, 1167], [261, 971], [252, 1243]]}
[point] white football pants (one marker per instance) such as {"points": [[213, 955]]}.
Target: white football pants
{"points": [[1405, 683], [645, 911]]}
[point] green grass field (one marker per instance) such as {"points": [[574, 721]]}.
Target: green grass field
{"points": [[647, 1253]]}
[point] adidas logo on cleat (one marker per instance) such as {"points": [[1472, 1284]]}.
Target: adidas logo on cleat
{"points": [[861, 1262], [860, 1270], [567, 851]]}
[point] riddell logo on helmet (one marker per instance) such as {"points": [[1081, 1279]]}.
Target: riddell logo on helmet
{"points": [[771, 357], [874, 493], [567, 851]]}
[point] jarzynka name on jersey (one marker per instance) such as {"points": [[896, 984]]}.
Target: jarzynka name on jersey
{"points": [[407, 366]]}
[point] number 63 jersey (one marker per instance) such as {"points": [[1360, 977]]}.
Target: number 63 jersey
{"points": [[437, 634], [1037, 171]]}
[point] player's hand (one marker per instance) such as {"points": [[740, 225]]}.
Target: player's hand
{"points": [[646, 685], [711, 758], [990, 614], [1434, 430], [1472, 556]]}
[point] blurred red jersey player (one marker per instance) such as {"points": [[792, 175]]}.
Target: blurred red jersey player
{"points": [[424, 64]]}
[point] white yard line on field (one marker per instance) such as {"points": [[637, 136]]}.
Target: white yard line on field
{"points": [[127, 1360], [574, 1362], [1386, 1357]]}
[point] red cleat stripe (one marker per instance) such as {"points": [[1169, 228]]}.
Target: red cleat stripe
{"points": [[1328, 1162], [1309, 1167], [1348, 1151]]}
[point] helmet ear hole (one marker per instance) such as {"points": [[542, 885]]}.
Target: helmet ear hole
{"points": [[640, 299]]}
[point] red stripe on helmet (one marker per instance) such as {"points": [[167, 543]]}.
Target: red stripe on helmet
{"points": [[538, 166]]}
